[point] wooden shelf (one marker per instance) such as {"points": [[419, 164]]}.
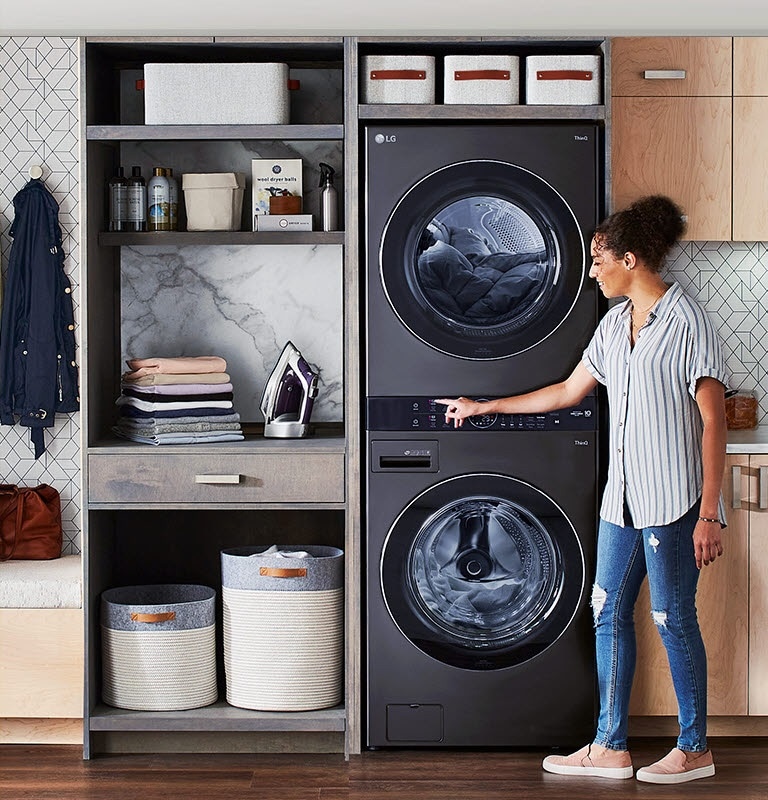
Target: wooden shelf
{"points": [[125, 133], [217, 717], [323, 441], [386, 111], [195, 238]]}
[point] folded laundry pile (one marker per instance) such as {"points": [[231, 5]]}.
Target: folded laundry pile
{"points": [[183, 400]]}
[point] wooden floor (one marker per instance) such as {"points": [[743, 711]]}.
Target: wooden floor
{"points": [[59, 773]]}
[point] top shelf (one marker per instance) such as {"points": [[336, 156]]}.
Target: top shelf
{"points": [[475, 112], [125, 133]]}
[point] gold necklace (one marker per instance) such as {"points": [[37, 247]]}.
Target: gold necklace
{"points": [[638, 325]]}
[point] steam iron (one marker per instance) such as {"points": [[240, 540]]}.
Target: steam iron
{"points": [[289, 396]]}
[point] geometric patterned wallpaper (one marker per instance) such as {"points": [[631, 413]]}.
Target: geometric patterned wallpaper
{"points": [[39, 113], [730, 279]]}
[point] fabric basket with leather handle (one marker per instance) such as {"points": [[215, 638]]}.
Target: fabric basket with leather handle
{"points": [[30, 523]]}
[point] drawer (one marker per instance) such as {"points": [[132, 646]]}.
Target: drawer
{"points": [[699, 66], [272, 478]]}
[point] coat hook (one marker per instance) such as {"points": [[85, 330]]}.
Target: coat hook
{"points": [[35, 172]]}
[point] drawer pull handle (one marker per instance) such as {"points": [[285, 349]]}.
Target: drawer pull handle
{"points": [[736, 484], [664, 74], [217, 478], [283, 572], [165, 616], [762, 496]]}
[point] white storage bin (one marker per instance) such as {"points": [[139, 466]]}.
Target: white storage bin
{"points": [[482, 80], [562, 80], [158, 647], [216, 94], [283, 621], [214, 201], [398, 79]]}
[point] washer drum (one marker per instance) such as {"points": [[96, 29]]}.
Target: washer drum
{"points": [[158, 647], [283, 627]]}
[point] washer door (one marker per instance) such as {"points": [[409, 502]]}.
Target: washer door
{"points": [[482, 571], [482, 259]]}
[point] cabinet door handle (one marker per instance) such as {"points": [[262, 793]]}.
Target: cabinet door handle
{"points": [[762, 493], [736, 483], [217, 478], [664, 74]]}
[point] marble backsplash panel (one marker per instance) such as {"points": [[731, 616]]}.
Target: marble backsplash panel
{"points": [[242, 303]]}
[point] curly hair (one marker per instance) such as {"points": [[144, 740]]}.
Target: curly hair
{"points": [[649, 228]]}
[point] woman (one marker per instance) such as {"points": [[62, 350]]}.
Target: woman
{"points": [[662, 364]]}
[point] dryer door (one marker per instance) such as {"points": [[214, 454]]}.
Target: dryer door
{"points": [[482, 572], [482, 259]]}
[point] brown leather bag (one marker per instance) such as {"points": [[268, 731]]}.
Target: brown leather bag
{"points": [[30, 522]]}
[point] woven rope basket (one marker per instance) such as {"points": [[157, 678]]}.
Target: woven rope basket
{"points": [[158, 647], [283, 628]]}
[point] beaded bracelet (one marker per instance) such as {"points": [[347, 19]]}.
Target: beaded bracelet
{"points": [[708, 519]]}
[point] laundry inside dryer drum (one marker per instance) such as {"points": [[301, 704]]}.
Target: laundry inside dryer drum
{"points": [[483, 572], [482, 262], [481, 254]]}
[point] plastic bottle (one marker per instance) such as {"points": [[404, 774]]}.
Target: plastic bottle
{"points": [[329, 200], [158, 201], [137, 202], [173, 199], [118, 201]]}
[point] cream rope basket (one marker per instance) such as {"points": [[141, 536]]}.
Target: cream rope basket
{"points": [[158, 647], [283, 627]]}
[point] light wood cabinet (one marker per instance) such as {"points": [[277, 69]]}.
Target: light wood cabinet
{"points": [[750, 155], [732, 603], [672, 127]]}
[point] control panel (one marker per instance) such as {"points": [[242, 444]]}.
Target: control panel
{"points": [[424, 414]]}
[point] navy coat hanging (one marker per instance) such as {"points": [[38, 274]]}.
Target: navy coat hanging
{"points": [[38, 371]]}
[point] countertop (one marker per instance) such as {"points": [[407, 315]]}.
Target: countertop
{"points": [[754, 441]]}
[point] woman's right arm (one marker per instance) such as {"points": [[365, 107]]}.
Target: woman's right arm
{"points": [[565, 394]]}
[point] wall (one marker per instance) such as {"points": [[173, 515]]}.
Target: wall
{"points": [[730, 279], [488, 17], [39, 125]]}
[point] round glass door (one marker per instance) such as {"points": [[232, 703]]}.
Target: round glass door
{"points": [[482, 572], [482, 259]]}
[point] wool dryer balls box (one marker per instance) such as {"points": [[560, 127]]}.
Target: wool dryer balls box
{"points": [[482, 80], [562, 80], [216, 94], [272, 176], [214, 201], [398, 79]]}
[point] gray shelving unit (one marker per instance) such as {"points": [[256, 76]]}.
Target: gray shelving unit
{"points": [[150, 534]]}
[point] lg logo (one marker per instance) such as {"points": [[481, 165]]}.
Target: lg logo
{"points": [[380, 138]]}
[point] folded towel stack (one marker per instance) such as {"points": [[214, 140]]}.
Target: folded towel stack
{"points": [[182, 400]]}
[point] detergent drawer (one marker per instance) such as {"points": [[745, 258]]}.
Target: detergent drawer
{"points": [[210, 479]]}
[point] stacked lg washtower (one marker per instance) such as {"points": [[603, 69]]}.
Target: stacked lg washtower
{"points": [[479, 540]]}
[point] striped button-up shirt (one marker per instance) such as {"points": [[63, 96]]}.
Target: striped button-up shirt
{"points": [[655, 462]]}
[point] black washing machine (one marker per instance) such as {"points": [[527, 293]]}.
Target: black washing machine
{"points": [[477, 251], [480, 550]]}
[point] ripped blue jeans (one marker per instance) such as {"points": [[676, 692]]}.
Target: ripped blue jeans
{"points": [[624, 557]]}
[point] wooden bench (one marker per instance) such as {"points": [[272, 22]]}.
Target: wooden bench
{"points": [[41, 652]]}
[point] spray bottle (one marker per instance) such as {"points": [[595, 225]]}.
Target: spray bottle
{"points": [[329, 201]]}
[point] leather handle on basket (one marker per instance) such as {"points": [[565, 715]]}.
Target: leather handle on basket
{"points": [[481, 75], [283, 572], [164, 616], [398, 75], [564, 75]]}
